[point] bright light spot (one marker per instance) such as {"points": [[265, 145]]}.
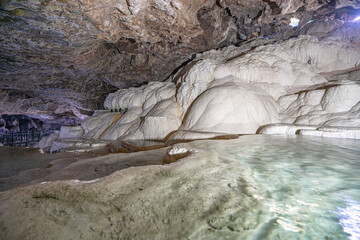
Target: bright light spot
{"points": [[350, 219], [177, 150], [294, 22], [356, 19]]}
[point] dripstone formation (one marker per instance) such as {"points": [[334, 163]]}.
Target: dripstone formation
{"points": [[64, 57]]}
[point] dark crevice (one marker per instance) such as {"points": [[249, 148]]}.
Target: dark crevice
{"points": [[227, 10], [258, 15], [274, 7], [131, 40], [181, 66]]}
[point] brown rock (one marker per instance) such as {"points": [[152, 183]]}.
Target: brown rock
{"points": [[73, 53]]}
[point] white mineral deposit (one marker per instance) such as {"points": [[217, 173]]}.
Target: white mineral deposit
{"points": [[179, 119]]}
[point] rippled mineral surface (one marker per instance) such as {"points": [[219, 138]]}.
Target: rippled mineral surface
{"points": [[253, 187]]}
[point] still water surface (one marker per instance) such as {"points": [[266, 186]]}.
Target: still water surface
{"points": [[309, 188]]}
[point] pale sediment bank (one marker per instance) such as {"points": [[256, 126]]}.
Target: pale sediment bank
{"points": [[23, 166], [253, 187]]}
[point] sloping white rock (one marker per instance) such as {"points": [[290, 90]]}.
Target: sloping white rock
{"points": [[157, 93], [71, 132], [145, 96], [177, 150], [137, 104], [341, 98], [231, 108], [311, 130], [279, 69], [95, 126], [275, 68], [162, 119], [324, 56], [290, 65], [192, 135], [47, 141], [194, 82], [333, 133], [234, 91], [128, 120], [337, 105], [76, 145], [274, 129], [149, 103]]}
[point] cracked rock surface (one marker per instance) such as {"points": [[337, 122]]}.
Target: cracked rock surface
{"points": [[65, 56]]}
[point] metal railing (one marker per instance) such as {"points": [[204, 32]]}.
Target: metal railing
{"points": [[22, 139]]}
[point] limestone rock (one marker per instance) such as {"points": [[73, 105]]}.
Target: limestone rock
{"points": [[95, 126], [77, 145], [338, 105], [311, 130], [150, 113], [341, 98], [145, 96], [71, 132], [71, 54], [232, 108], [152, 102], [192, 135], [235, 90], [349, 133], [46, 142], [122, 127], [274, 129], [194, 81], [162, 119]]}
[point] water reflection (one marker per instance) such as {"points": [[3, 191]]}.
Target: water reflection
{"points": [[350, 218], [301, 183]]}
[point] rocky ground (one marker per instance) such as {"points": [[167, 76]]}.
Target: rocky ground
{"points": [[25, 166], [254, 187]]}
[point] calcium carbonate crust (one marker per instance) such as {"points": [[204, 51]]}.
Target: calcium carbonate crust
{"points": [[236, 90]]}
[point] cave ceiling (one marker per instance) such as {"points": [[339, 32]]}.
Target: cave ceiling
{"points": [[64, 56]]}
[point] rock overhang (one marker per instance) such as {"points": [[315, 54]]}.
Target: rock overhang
{"points": [[66, 56]]}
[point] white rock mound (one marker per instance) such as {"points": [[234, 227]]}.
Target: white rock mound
{"points": [[194, 82], [47, 141], [235, 90], [147, 112], [162, 119], [71, 132], [332, 105], [145, 96], [311, 130], [123, 126], [95, 126], [231, 107]]}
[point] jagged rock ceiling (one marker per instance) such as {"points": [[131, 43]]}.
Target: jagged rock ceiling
{"points": [[64, 56]]}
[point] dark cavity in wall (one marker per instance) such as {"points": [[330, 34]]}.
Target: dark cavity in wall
{"points": [[22, 123]]}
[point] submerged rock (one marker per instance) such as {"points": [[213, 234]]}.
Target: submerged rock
{"points": [[260, 187]]}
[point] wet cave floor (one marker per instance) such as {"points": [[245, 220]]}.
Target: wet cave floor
{"points": [[20, 166], [253, 187]]}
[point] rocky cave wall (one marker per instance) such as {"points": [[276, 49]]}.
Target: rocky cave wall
{"points": [[64, 57], [302, 85]]}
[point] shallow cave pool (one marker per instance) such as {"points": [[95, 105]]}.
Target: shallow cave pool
{"points": [[253, 187], [303, 187]]}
